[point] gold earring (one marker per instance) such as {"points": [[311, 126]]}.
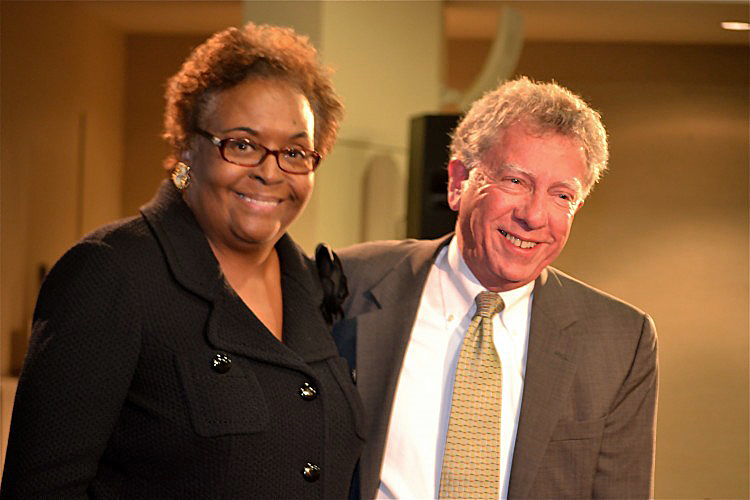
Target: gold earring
{"points": [[181, 176]]}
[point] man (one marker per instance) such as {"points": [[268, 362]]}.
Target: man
{"points": [[575, 369]]}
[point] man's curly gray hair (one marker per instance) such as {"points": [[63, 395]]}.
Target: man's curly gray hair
{"points": [[543, 107]]}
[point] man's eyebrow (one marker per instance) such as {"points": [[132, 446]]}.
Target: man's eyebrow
{"points": [[511, 168], [574, 185]]}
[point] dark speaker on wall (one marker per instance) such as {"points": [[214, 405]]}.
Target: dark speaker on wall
{"points": [[428, 214]]}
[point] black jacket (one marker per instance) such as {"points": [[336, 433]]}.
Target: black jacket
{"points": [[148, 377]]}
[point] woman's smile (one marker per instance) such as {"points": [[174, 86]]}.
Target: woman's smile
{"points": [[259, 200]]}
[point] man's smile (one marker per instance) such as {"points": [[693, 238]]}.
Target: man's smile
{"points": [[517, 241]]}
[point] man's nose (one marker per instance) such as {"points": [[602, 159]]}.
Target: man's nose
{"points": [[531, 213]]}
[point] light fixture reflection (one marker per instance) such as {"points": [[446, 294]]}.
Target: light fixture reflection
{"points": [[735, 26]]}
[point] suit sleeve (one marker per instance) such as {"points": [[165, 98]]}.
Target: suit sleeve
{"points": [[625, 467], [81, 359]]}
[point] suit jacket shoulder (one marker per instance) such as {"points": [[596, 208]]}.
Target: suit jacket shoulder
{"points": [[365, 263], [387, 269], [598, 317], [575, 301], [587, 293]]}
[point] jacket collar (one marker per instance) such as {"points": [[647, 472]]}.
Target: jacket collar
{"points": [[390, 290], [187, 251]]}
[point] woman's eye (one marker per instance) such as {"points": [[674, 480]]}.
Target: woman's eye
{"points": [[242, 146], [294, 153]]}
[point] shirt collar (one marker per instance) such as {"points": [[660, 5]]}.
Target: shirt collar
{"points": [[517, 301]]}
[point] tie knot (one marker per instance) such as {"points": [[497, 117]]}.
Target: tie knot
{"points": [[488, 304]]}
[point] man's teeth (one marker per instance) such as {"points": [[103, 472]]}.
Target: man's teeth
{"points": [[267, 203], [518, 241]]}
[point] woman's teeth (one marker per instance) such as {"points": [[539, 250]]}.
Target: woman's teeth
{"points": [[518, 241], [265, 203]]}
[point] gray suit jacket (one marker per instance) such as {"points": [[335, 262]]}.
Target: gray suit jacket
{"points": [[587, 422]]}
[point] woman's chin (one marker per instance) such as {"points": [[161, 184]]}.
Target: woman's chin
{"points": [[259, 234]]}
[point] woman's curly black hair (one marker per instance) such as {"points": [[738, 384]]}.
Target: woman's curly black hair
{"points": [[230, 57]]}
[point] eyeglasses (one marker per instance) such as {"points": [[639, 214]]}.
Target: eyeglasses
{"points": [[246, 153]]}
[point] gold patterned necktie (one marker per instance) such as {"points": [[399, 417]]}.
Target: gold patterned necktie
{"points": [[471, 461]]}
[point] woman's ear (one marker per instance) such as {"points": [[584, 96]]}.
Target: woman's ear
{"points": [[457, 174]]}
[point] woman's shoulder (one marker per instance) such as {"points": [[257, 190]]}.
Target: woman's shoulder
{"points": [[112, 250], [100, 268], [121, 234]]}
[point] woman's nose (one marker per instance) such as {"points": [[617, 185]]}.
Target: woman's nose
{"points": [[268, 170]]}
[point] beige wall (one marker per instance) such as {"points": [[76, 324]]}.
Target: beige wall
{"points": [[149, 60], [383, 80], [61, 82], [667, 229], [61, 158]]}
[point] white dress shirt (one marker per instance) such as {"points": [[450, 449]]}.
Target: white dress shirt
{"points": [[419, 421]]}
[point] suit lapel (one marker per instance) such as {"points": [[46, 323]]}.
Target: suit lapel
{"points": [[383, 333], [550, 367]]}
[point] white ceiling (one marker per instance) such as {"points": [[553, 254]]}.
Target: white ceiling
{"points": [[663, 21]]}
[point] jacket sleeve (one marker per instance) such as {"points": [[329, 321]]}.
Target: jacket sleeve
{"points": [[82, 355], [625, 467]]}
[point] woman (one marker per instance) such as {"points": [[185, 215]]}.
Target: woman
{"points": [[184, 353]]}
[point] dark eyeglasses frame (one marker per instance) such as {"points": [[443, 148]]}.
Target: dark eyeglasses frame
{"points": [[222, 143]]}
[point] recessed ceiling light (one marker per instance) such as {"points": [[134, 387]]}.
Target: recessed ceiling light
{"points": [[735, 26]]}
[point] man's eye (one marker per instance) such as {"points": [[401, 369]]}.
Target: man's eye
{"points": [[566, 200]]}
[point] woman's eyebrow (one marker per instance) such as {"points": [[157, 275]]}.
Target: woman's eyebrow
{"points": [[242, 129], [251, 131]]}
